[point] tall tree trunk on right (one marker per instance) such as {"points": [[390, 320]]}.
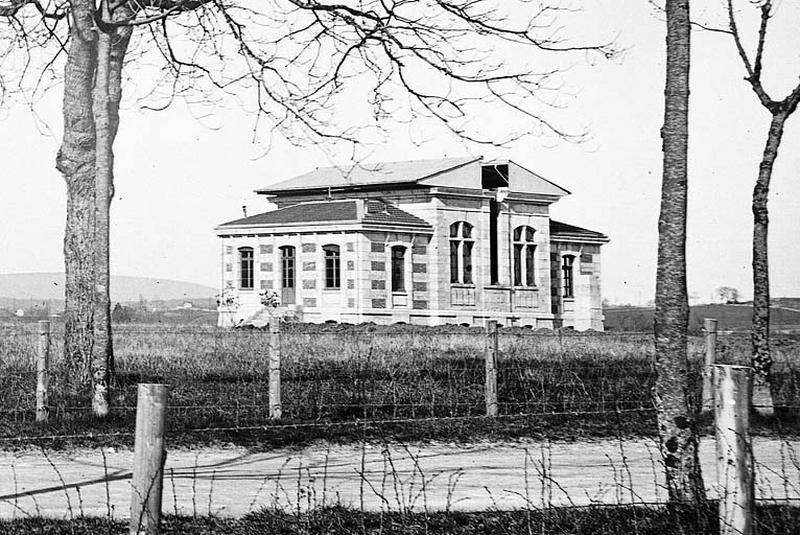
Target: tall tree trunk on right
{"points": [[674, 404], [762, 360], [76, 162]]}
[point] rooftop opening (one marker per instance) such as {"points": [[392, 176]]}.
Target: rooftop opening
{"points": [[377, 206], [494, 176]]}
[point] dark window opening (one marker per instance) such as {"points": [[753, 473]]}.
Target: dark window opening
{"points": [[454, 262], [246, 266], [566, 268], [287, 266], [494, 176], [524, 256], [333, 272], [494, 242], [398, 268], [466, 250], [461, 246], [529, 265]]}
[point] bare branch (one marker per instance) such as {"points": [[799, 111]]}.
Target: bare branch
{"points": [[753, 75], [766, 9], [444, 58]]}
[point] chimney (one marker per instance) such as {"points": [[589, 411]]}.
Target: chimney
{"points": [[244, 210]]}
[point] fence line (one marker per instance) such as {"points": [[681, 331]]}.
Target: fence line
{"points": [[358, 422], [147, 481], [148, 459], [490, 376], [710, 327], [732, 397], [487, 387], [42, 372]]}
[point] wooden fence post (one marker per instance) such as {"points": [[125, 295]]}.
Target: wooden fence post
{"points": [[735, 478], [492, 348], [275, 409], [710, 327], [149, 454], [42, 371]]}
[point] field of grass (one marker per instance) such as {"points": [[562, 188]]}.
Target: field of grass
{"points": [[338, 381], [784, 315], [595, 520]]}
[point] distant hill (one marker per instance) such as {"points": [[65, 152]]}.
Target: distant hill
{"points": [[50, 286], [784, 315]]}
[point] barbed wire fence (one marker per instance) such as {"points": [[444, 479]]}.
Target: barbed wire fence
{"points": [[363, 384], [350, 376], [221, 378]]}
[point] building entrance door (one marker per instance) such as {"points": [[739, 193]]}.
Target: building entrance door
{"points": [[288, 275]]}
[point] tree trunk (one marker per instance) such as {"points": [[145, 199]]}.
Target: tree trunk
{"points": [[102, 302], [762, 360], [92, 93], [676, 414], [119, 47], [111, 46], [76, 162]]}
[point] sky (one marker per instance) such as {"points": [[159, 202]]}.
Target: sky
{"points": [[179, 174]]}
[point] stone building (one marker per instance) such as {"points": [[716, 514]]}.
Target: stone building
{"points": [[455, 240]]}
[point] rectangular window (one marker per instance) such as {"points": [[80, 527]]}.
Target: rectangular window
{"points": [[461, 245], [454, 262], [529, 264], [467, 257], [398, 269], [566, 267], [494, 241], [287, 267], [246, 268], [333, 269], [517, 264]]}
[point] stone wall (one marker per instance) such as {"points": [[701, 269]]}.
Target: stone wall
{"points": [[429, 297], [585, 309]]}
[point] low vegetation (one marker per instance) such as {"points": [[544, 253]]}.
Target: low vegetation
{"points": [[594, 520], [353, 382], [737, 317]]}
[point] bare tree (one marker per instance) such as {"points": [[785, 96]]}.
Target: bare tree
{"points": [[674, 402], [780, 111], [447, 59]]}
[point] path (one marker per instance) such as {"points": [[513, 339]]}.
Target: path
{"points": [[232, 482]]}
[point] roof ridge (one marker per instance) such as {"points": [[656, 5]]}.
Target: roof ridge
{"points": [[369, 174], [394, 162], [328, 212]]}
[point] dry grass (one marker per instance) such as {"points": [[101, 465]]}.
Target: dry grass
{"points": [[595, 520], [573, 385]]}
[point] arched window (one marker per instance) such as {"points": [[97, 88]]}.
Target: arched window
{"points": [[246, 281], [524, 257], [461, 245], [398, 268], [566, 267], [333, 268]]}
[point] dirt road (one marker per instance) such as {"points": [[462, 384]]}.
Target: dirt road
{"points": [[232, 482]]}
